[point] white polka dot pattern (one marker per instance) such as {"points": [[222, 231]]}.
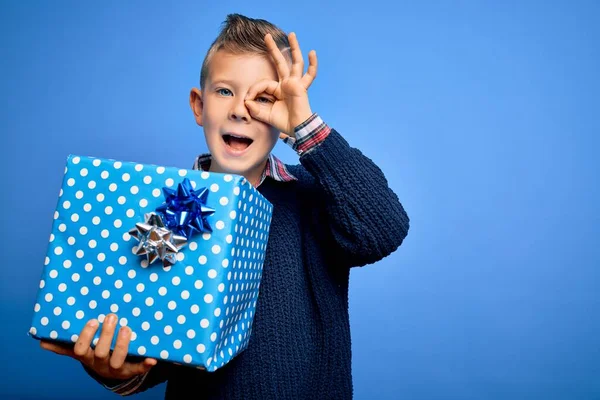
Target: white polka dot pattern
{"points": [[197, 312]]}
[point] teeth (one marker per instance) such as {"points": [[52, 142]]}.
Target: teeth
{"points": [[236, 136]]}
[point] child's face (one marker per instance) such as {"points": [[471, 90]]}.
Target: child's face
{"points": [[221, 111]]}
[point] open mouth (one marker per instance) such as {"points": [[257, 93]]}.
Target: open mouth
{"points": [[237, 142]]}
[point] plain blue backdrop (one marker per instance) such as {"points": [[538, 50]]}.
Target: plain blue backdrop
{"points": [[483, 116]]}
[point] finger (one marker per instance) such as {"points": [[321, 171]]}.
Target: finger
{"points": [[283, 136], [140, 368], [259, 111], [82, 349], [117, 359], [297, 60], [57, 348], [150, 362], [311, 73], [263, 86], [102, 350], [280, 62]]}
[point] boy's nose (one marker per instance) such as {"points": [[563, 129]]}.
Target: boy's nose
{"points": [[239, 112]]}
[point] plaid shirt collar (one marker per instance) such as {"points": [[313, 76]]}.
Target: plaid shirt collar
{"points": [[274, 169]]}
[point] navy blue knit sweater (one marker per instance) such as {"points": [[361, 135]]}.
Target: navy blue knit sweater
{"points": [[339, 213]]}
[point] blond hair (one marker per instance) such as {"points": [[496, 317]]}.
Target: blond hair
{"points": [[243, 35]]}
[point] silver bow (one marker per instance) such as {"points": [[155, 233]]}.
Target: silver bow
{"points": [[156, 241]]}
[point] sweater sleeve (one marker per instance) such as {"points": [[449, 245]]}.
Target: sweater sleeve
{"points": [[157, 375], [365, 217]]}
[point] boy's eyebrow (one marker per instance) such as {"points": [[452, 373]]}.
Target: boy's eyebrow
{"points": [[223, 80]]}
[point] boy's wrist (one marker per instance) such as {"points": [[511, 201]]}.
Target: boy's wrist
{"points": [[299, 127], [299, 118], [310, 133]]}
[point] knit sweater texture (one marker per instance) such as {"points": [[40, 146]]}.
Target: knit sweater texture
{"points": [[340, 213]]}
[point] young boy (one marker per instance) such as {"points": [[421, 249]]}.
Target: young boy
{"points": [[332, 212]]}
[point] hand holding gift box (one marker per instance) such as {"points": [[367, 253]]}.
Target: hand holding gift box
{"points": [[100, 359], [177, 254]]}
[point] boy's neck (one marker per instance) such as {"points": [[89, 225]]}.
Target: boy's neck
{"points": [[252, 176]]}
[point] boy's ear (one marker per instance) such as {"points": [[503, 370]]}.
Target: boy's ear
{"points": [[196, 104]]}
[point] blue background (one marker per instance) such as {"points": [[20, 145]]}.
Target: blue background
{"points": [[481, 114]]}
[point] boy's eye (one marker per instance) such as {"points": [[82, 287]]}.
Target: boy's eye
{"points": [[224, 92], [263, 99]]}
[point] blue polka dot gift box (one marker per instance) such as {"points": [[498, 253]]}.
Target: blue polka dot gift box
{"points": [[176, 253]]}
